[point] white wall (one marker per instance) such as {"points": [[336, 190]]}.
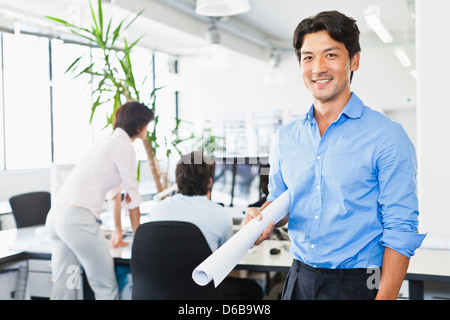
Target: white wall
{"points": [[239, 92], [433, 114], [407, 118], [16, 182], [238, 89], [382, 83]]}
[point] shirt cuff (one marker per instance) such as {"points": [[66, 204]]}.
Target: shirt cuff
{"points": [[403, 242], [113, 192], [134, 203]]}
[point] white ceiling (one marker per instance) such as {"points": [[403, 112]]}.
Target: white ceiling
{"points": [[271, 20], [172, 26], [279, 18]]}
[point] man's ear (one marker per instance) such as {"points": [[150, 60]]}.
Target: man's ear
{"points": [[210, 183], [354, 62]]}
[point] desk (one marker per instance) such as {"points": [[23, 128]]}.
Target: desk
{"points": [[31, 243], [259, 258], [427, 265], [5, 209]]}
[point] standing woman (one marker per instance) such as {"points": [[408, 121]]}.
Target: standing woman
{"points": [[73, 223]]}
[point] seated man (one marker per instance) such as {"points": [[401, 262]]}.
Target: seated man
{"points": [[194, 176]]}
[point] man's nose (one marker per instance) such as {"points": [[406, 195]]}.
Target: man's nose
{"points": [[319, 66]]}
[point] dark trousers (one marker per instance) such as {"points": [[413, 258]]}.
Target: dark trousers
{"points": [[304, 282]]}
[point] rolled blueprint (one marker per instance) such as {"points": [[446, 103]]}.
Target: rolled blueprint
{"points": [[219, 264]]}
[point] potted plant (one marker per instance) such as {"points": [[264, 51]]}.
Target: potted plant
{"points": [[113, 79]]}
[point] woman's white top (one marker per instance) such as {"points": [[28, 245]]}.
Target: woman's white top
{"points": [[107, 167]]}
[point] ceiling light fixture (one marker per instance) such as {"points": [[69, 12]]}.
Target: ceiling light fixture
{"points": [[222, 8], [213, 55], [403, 57], [372, 16], [274, 74]]}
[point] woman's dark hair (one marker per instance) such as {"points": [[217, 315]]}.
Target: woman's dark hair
{"points": [[193, 174], [132, 117], [340, 27]]}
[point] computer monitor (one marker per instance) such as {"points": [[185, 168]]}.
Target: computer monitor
{"points": [[238, 180]]}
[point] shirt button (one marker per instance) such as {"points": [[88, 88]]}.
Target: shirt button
{"points": [[318, 158], [316, 217], [317, 187], [312, 246]]}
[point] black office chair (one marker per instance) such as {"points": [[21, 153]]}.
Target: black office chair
{"points": [[30, 209], [164, 254]]}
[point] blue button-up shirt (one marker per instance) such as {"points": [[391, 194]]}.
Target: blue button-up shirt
{"points": [[353, 190]]}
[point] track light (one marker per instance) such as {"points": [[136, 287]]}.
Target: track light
{"points": [[222, 8], [213, 55], [273, 73], [403, 57], [372, 16]]}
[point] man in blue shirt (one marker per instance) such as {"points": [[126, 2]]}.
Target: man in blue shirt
{"points": [[351, 176]]}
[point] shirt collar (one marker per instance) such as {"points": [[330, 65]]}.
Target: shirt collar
{"points": [[353, 109], [121, 133]]}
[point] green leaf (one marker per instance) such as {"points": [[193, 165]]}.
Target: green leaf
{"points": [[93, 15], [87, 70], [137, 15], [116, 32], [135, 42], [94, 107], [73, 64], [107, 31], [139, 171], [67, 24], [99, 39], [100, 17], [83, 36]]}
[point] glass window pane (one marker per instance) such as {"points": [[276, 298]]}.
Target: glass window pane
{"points": [[71, 104], [27, 102], [165, 100], [142, 62], [2, 145], [99, 120]]}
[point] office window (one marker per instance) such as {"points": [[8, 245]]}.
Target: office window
{"points": [[2, 127], [234, 133], [44, 113], [165, 101], [27, 102], [72, 134], [99, 120], [142, 61]]}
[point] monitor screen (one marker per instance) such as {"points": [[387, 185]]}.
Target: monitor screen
{"points": [[239, 181]]}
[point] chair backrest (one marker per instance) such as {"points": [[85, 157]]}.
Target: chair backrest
{"points": [[164, 254], [30, 209]]}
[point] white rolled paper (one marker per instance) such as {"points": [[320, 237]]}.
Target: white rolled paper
{"points": [[219, 264]]}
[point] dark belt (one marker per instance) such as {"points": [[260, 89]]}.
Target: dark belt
{"points": [[301, 270], [351, 273]]}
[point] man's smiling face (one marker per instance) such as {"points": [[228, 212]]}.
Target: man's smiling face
{"points": [[326, 66]]}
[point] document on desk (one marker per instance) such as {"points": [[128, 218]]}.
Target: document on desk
{"points": [[219, 264]]}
